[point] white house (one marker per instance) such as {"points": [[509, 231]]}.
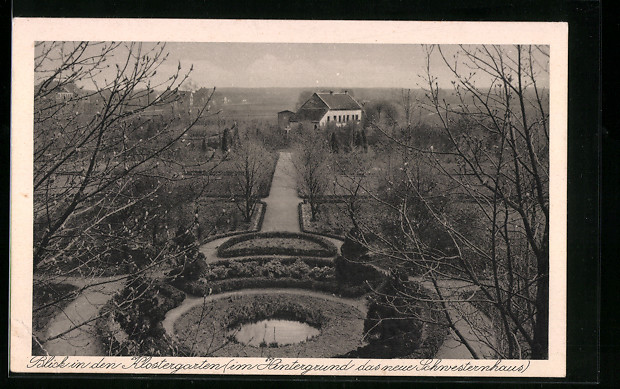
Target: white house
{"points": [[324, 108]]}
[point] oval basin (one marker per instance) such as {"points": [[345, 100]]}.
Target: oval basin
{"points": [[274, 333]]}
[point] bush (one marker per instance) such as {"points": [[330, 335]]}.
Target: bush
{"points": [[351, 248], [327, 248], [266, 267], [133, 325], [195, 269], [356, 273], [392, 325]]}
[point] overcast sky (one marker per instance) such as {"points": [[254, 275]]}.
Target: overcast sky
{"points": [[308, 65], [301, 65]]}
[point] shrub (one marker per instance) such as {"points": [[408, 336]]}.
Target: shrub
{"points": [[356, 273], [133, 325], [267, 267], [392, 323], [195, 268], [351, 248]]}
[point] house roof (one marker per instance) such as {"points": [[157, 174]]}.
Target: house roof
{"points": [[286, 111], [339, 101]]}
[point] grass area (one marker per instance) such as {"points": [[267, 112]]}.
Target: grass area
{"points": [[219, 216], [277, 242], [332, 219], [207, 330]]}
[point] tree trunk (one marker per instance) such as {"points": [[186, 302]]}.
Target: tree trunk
{"points": [[541, 330]]}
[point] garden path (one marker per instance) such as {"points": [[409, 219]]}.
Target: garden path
{"points": [[468, 320], [82, 340], [193, 301], [281, 213]]}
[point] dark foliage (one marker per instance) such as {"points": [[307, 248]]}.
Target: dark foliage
{"points": [[133, 324]]}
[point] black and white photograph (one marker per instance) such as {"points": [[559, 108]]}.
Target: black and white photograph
{"points": [[308, 207]]}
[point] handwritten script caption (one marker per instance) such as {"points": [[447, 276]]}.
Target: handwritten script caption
{"points": [[269, 365]]}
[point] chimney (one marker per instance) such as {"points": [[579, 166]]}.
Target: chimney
{"points": [[331, 92], [346, 92]]}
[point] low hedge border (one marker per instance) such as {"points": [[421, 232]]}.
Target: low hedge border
{"points": [[198, 288], [257, 227], [273, 171], [310, 261], [328, 248], [331, 198], [303, 229]]}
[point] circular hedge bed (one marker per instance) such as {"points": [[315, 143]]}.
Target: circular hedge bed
{"points": [[208, 329], [277, 243]]}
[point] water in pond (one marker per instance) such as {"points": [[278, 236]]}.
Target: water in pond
{"points": [[271, 332]]}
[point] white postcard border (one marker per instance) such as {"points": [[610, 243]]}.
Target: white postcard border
{"points": [[28, 30]]}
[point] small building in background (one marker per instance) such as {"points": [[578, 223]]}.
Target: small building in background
{"points": [[284, 119], [324, 108]]}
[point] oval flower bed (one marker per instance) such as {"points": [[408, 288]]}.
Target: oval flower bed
{"points": [[209, 329], [277, 243]]}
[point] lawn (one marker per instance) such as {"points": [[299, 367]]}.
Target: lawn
{"points": [[284, 243], [332, 219], [208, 330]]}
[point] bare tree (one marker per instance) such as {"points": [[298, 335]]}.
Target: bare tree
{"points": [[252, 163], [407, 104], [311, 163], [468, 217], [103, 160]]}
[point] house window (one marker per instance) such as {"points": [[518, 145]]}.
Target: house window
{"points": [[356, 118], [347, 118], [339, 118], [328, 119]]}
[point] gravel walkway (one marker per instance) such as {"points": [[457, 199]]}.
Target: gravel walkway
{"points": [[82, 340], [282, 214]]}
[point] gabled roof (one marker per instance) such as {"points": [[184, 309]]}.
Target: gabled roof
{"points": [[338, 101]]}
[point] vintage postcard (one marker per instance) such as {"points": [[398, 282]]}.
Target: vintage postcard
{"points": [[296, 198]]}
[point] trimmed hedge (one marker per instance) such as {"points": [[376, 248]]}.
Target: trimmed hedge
{"points": [[327, 250], [266, 191], [203, 287], [310, 261]]}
